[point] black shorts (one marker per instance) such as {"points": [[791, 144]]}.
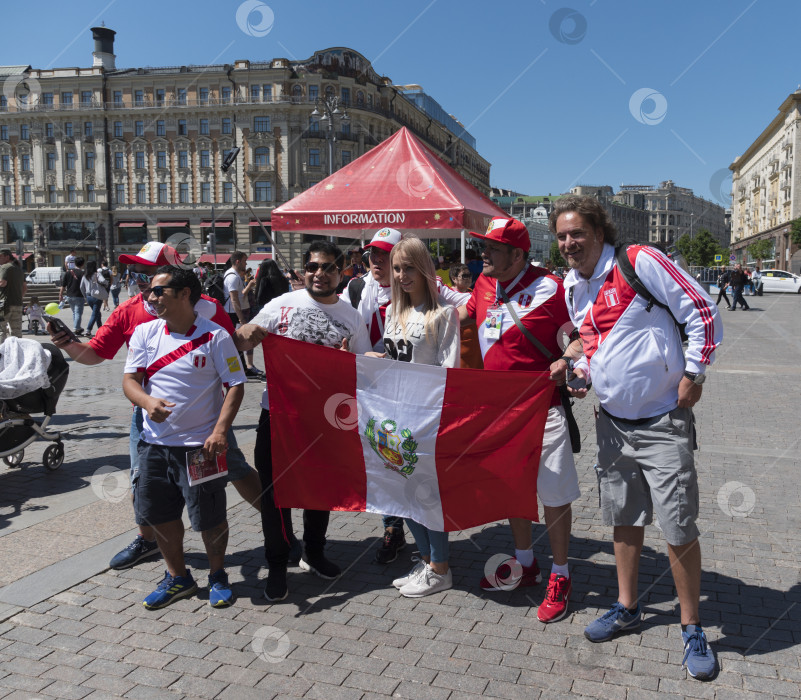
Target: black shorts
{"points": [[162, 489]]}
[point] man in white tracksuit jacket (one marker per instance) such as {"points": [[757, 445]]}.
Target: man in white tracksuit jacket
{"points": [[646, 385]]}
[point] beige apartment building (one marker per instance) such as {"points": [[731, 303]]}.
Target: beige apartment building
{"points": [[765, 186], [102, 159]]}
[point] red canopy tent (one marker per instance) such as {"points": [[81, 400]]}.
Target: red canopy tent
{"points": [[400, 183]]}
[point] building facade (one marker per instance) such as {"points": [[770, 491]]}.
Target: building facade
{"points": [[103, 159], [764, 189], [630, 221]]}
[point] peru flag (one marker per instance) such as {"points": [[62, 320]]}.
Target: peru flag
{"points": [[449, 448]]}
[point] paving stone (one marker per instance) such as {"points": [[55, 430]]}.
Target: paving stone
{"points": [[236, 675], [152, 677]]}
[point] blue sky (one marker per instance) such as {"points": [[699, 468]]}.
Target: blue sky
{"points": [[556, 92]]}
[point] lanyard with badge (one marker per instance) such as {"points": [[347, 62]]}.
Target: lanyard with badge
{"points": [[493, 324]]}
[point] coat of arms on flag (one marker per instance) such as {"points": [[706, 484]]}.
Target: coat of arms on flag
{"points": [[397, 456]]}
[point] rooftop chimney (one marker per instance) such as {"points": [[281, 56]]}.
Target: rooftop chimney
{"points": [[103, 55]]}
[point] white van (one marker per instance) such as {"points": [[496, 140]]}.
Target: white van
{"points": [[45, 275]]}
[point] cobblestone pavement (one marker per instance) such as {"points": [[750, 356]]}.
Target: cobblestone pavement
{"points": [[73, 629]]}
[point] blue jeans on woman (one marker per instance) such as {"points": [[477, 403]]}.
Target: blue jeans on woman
{"points": [[431, 543], [94, 317]]}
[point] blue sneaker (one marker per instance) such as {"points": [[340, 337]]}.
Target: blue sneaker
{"points": [[220, 593], [699, 659], [171, 588], [618, 619], [139, 549]]}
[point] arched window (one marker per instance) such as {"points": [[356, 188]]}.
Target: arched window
{"points": [[329, 91], [261, 156], [297, 90], [359, 99]]}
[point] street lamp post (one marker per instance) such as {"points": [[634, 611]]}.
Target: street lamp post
{"points": [[327, 110]]}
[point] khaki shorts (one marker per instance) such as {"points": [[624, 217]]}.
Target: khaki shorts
{"points": [[646, 468]]}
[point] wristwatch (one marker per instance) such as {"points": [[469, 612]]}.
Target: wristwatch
{"points": [[695, 378]]}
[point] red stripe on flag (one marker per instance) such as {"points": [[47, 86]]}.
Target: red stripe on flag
{"points": [[176, 354], [317, 455], [488, 458]]}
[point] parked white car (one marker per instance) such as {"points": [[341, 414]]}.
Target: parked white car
{"points": [[780, 281]]}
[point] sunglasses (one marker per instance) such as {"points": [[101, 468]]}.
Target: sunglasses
{"points": [[159, 290], [142, 277], [327, 268]]}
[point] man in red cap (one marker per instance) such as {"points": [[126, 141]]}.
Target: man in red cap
{"points": [[509, 294], [111, 336]]}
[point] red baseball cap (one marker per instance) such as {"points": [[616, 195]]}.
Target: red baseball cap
{"points": [[509, 231], [153, 254], [385, 238]]}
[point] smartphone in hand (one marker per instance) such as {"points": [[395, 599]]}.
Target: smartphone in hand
{"points": [[58, 326]]}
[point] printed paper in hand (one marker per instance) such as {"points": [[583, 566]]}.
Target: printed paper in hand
{"points": [[201, 469]]}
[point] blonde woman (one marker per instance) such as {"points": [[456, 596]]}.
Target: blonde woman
{"points": [[421, 328]]}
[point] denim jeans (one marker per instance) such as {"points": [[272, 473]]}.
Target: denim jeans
{"points": [[430, 542], [76, 304], [94, 317], [737, 296]]}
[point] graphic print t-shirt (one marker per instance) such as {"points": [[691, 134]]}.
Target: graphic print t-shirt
{"points": [[413, 342], [299, 316]]}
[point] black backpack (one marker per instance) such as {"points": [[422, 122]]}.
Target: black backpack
{"points": [[214, 287], [355, 289]]}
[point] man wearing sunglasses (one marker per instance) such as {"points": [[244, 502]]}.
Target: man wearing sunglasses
{"points": [[317, 315], [116, 332]]}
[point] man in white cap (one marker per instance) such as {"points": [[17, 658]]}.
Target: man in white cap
{"points": [[111, 336], [370, 295]]}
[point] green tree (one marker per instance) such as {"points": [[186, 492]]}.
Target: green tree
{"points": [[556, 257], [795, 231], [701, 249], [761, 250]]}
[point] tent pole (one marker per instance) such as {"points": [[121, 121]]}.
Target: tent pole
{"points": [[463, 251]]}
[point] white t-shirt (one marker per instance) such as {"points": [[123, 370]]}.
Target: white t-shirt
{"points": [[189, 370], [413, 344], [298, 315], [69, 262], [233, 283]]}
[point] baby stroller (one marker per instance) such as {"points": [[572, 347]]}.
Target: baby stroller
{"points": [[18, 428]]}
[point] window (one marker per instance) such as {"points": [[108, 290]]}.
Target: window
{"points": [[359, 99], [345, 96], [4, 132], [26, 194], [161, 129], [3, 103], [139, 128], [261, 156], [47, 98], [261, 124], [139, 98], [160, 97], [7, 195], [346, 157], [90, 193], [117, 98], [49, 131], [24, 132], [314, 92], [228, 192], [183, 159], [182, 127], [140, 160], [6, 160], [205, 159], [205, 192], [66, 98], [90, 160], [255, 90], [163, 193], [181, 92], [71, 196], [141, 193], [225, 95], [263, 192], [52, 195], [183, 193], [119, 194], [25, 161], [314, 156], [87, 129], [346, 128], [117, 130], [51, 160], [204, 127], [203, 95], [69, 160], [161, 159], [68, 131], [119, 160], [314, 124], [226, 125], [86, 97], [267, 93]]}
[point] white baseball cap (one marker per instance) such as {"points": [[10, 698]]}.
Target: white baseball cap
{"points": [[386, 239], [153, 254]]}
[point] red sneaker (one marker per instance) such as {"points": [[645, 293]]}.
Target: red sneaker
{"points": [[554, 607], [510, 574]]}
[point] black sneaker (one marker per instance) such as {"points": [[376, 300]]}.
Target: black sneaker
{"points": [[318, 564], [135, 552], [394, 542], [276, 590], [254, 373]]}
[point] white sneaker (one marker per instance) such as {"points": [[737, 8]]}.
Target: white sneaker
{"points": [[418, 568], [427, 583]]}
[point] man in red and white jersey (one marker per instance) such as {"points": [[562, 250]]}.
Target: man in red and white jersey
{"points": [[537, 299], [117, 331], [175, 372], [647, 386], [370, 295]]}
